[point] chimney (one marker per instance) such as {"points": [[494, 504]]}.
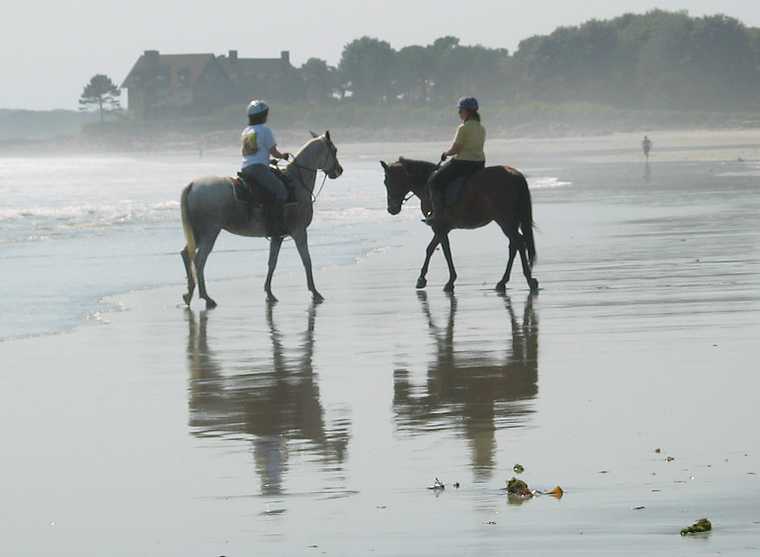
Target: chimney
{"points": [[285, 56], [232, 55], [151, 56]]}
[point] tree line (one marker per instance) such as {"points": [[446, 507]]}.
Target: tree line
{"points": [[660, 60], [656, 60]]}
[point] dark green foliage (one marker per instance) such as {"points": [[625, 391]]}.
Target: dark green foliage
{"points": [[100, 92], [320, 80], [367, 68], [659, 60], [664, 60]]}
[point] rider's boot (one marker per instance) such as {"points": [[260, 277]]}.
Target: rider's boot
{"points": [[438, 199]]}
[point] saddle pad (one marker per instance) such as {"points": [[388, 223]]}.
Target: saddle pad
{"points": [[250, 193], [513, 170], [242, 192]]}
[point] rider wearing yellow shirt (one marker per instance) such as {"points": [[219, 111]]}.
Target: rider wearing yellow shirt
{"points": [[466, 151]]}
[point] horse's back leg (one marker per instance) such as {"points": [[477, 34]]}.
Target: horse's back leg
{"points": [[527, 271], [190, 279], [515, 240], [302, 244], [449, 287], [502, 284], [206, 242], [517, 244]]}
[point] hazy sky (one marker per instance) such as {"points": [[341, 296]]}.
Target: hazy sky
{"points": [[50, 48]]}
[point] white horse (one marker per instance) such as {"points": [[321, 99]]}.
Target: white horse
{"points": [[209, 205]]}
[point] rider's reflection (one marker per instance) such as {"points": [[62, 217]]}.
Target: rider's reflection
{"points": [[467, 389], [271, 404]]}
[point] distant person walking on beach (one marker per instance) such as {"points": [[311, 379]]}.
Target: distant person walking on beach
{"points": [[646, 146]]}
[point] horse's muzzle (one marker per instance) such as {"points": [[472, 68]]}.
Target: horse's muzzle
{"points": [[394, 209], [336, 172]]}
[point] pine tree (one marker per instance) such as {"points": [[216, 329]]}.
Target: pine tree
{"points": [[102, 92]]}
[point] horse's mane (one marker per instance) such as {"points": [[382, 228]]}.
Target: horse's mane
{"points": [[419, 171]]}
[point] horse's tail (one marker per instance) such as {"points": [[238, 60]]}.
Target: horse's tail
{"points": [[525, 217], [187, 226]]}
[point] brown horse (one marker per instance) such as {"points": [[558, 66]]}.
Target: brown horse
{"points": [[495, 194]]}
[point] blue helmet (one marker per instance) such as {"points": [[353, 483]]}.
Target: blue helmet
{"points": [[468, 103], [257, 107]]}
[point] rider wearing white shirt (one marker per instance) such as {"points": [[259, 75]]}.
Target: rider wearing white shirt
{"points": [[258, 145]]}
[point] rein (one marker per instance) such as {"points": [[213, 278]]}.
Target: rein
{"points": [[414, 189], [303, 184], [408, 197]]}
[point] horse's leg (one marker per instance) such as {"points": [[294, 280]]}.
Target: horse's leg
{"points": [[449, 287], [190, 279], [274, 251], [302, 244], [501, 286], [205, 245], [515, 240], [532, 283], [422, 280]]}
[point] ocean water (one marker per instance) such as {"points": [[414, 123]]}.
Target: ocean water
{"points": [[303, 428], [76, 229]]}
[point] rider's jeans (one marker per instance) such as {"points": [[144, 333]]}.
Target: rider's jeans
{"points": [[452, 170], [264, 177]]}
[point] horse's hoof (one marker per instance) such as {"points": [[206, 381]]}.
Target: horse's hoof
{"points": [[533, 285], [271, 298], [317, 297], [188, 298], [210, 304], [421, 282], [501, 287], [449, 287]]}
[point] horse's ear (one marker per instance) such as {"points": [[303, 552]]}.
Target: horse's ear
{"points": [[384, 165], [327, 135], [403, 162], [314, 135]]}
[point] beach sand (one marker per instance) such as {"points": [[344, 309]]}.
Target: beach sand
{"points": [[316, 429]]}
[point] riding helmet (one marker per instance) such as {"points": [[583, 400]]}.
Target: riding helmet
{"points": [[257, 107], [467, 103]]}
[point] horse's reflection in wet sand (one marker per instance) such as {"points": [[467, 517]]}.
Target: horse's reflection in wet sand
{"points": [[271, 404], [470, 391]]}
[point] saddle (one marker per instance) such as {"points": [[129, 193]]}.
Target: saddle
{"points": [[252, 194], [455, 188]]}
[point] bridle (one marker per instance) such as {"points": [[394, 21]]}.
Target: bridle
{"points": [[413, 190], [301, 181], [406, 198]]}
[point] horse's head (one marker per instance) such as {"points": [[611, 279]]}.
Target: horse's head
{"points": [[327, 160], [398, 183], [404, 176]]}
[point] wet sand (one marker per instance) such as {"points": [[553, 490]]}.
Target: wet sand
{"points": [[303, 429]]}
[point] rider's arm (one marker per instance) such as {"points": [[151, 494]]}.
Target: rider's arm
{"points": [[455, 149], [277, 154], [456, 145]]}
